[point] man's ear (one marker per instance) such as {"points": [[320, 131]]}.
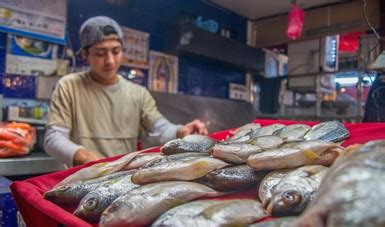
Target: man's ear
{"points": [[84, 55]]}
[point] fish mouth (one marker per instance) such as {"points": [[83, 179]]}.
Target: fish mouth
{"points": [[269, 206]]}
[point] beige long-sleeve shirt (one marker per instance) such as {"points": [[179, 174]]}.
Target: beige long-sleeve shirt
{"points": [[104, 119]]}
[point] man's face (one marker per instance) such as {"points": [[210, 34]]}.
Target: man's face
{"points": [[104, 59]]}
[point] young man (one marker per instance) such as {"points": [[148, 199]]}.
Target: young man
{"points": [[98, 113]]}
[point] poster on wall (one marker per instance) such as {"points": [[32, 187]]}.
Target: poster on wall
{"points": [[27, 56], [163, 72], [136, 48], [38, 19]]}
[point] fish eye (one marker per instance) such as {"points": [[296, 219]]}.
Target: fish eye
{"points": [[291, 198], [91, 203], [174, 144], [64, 188], [113, 208]]}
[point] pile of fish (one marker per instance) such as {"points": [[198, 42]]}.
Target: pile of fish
{"points": [[285, 163]]}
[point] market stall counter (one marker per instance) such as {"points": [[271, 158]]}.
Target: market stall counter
{"points": [[37, 211]]}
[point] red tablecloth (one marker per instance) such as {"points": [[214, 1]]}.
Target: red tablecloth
{"points": [[37, 211]]}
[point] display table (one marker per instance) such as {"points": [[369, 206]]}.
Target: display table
{"points": [[37, 211]]}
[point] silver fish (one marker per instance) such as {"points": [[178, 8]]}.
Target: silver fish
{"points": [[183, 215], [304, 153], [238, 153], [143, 205], [234, 212], [175, 157], [71, 194], [95, 202], [100, 169], [272, 129], [332, 131], [142, 159], [213, 213], [232, 178], [190, 143], [352, 192], [294, 132], [269, 182], [296, 190], [178, 170], [244, 133], [277, 222]]}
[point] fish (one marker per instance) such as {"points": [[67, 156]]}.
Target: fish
{"points": [[244, 133], [238, 153], [234, 212], [352, 192], [277, 222], [174, 157], [95, 202], [71, 194], [272, 129], [143, 205], [213, 213], [232, 178], [268, 183], [184, 215], [100, 169], [287, 156], [245, 129], [189, 169], [295, 191], [333, 131], [294, 132], [190, 143], [142, 159]]}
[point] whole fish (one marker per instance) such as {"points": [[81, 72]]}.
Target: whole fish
{"points": [[232, 178], [189, 169], [296, 190], [143, 205], [304, 153], [238, 153], [234, 212], [352, 192], [95, 202], [268, 183], [71, 194], [244, 133], [175, 157], [141, 160], [190, 143], [294, 132], [213, 213], [100, 169], [245, 129], [184, 214], [277, 222], [272, 129], [333, 131]]}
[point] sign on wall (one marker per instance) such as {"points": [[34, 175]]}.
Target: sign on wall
{"points": [[38, 19], [163, 73], [135, 48], [238, 91]]}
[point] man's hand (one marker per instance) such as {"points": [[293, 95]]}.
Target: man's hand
{"points": [[194, 127], [83, 156]]}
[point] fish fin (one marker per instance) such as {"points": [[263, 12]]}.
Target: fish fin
{"points": [[310, 155]]}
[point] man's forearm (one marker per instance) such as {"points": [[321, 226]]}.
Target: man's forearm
{"points": [[58, 145], [163, 130]]}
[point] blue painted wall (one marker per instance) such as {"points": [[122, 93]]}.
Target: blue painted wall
{"points": [[197, 76]]}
